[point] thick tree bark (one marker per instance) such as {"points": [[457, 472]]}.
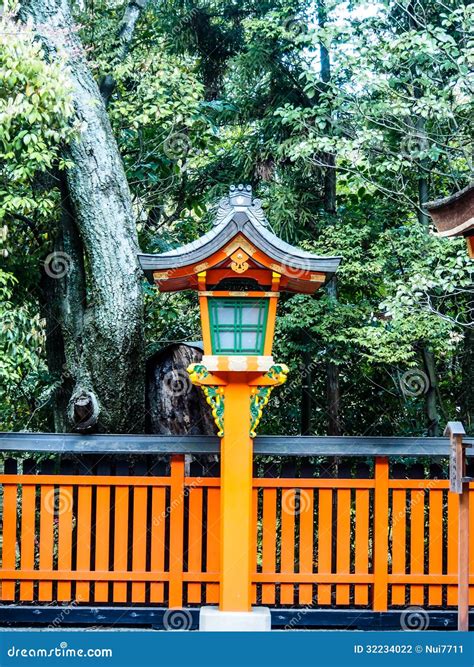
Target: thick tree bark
{"points": [[101, 306], [174, 405]]}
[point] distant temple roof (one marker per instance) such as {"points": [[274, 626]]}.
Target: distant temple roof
{"points": [[454, 215], [238, 215]]}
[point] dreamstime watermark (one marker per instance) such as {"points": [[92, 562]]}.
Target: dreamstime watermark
{"points": [[299, 271], [296, 502], [61, 651], [414, 382], [177, 501], [177, 145], [295, 621], [415, 499], [295, 25], [58, 620], [177, 383], [57, 264], [58, 501], [177, 620], [414, 618], [293, 382], [411, 145]]}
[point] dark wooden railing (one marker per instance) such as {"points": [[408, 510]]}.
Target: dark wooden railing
{"points": [[133, 520]]}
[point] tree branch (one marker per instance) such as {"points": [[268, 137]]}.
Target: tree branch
{"points": [[124, 37]]}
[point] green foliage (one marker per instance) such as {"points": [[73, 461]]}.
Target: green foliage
{"points": [[22, 367], [35, 109], [211, 94]]}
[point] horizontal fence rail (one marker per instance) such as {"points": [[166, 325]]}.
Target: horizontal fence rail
{"points": [[201, 444], [98, 528]]}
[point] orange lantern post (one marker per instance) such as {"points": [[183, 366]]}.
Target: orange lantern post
{"points": [[238, 269]]}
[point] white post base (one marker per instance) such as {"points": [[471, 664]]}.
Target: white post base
{"points": [[211, 619]]}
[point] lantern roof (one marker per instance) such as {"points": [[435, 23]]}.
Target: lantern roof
{"points": [[240, 223]]}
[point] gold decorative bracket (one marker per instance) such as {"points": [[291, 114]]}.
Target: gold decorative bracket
{"points": [[213, 390], [261, 391]]}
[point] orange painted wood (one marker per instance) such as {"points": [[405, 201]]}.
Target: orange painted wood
{"points": [[65, 525], [297, 578], [158, 525], [269, 528], [417, 542], [380, 599], [213, 544], [452, 564], [324, 542], [84, 533], [463, 558], [288, 502], [435, 549], [85, 480], [195, 541], [102, 541], [176, 531], [121, 511], [28, 533], [399, 525], [139, 539], [46, 543], [471, 543], [9, 537], [361, 544], [312, 483], [305, 593], [94, 575], [122, 480], [343, 543], [253, 542], [236, 558]]}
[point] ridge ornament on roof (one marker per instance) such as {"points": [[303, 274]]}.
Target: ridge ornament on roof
{"points": [[239, 224]]}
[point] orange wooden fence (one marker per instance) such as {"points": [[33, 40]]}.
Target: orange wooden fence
{"points": [[370, 541]]}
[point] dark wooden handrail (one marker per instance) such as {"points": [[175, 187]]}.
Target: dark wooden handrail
{"points": [[277, 445]]}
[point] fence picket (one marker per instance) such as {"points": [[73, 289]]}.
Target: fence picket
{"points": [[28, 534], [287, 562], [65, 521], [45, 588]]}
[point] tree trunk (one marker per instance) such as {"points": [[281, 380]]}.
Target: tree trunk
{"points": [[101, 307], [467, 381], [332, 378], [306, 392], [431, 408], [174, 405], [330, 206]]}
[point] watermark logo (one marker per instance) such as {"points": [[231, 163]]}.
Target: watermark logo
{"points": [[296, 503], [177, 382], [57, 264], [177, 619], [295, 26], [414, 382], [58, 501], [177, 145], [414, 618]]}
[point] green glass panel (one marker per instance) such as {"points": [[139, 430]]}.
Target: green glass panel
{"points": [[238, 325]]}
